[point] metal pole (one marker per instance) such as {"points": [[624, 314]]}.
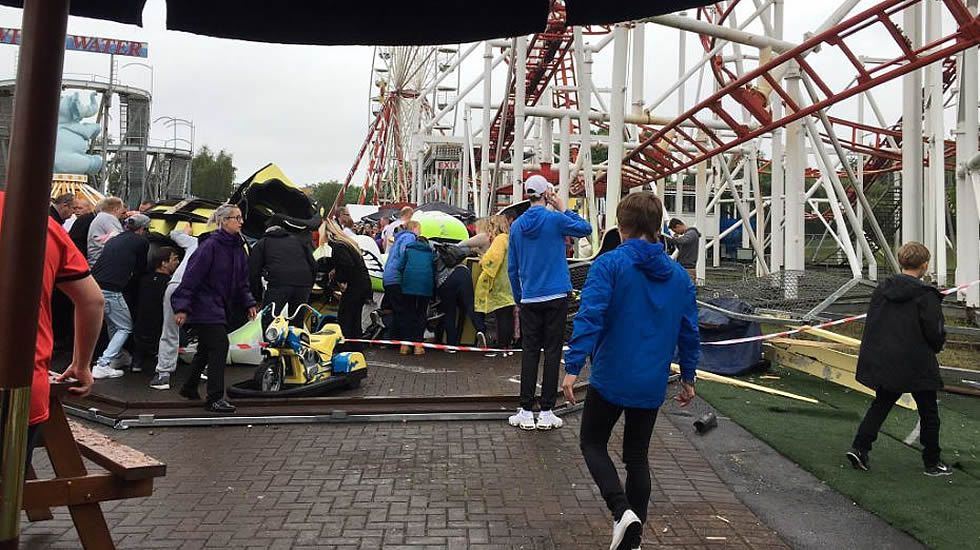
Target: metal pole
{"points": [[520, 89], [23, 236], [639, 43], [485, 150], [495, 181], [912, 133], [967, 228], [470, 159], [777, 178], [583, 62], [564, 132], [614, 177], [795, 166], [681, 100], [859, 137], [701, 218], [936, 195], [547, 134]]}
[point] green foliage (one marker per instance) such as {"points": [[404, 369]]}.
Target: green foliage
{"points": [[325, 192], [212, 176]]}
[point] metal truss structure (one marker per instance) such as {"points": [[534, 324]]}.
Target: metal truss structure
{"points": [[785, 142]]}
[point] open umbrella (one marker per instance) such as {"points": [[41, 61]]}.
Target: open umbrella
{"points": [[32, 140]]}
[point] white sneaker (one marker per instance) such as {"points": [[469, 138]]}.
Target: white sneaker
{"points": [[523, 419], [102, 371], [481, 340], [547, 420], [629, 522]]}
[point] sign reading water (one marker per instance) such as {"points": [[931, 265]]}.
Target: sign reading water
{"points": [[87, 44]]}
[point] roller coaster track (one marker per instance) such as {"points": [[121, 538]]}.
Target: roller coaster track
{"points": [[675, 147]]}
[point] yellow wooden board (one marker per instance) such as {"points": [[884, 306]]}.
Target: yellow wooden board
{"points": [[836, 369]]}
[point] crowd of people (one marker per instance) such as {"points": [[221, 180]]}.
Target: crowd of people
{"points": [[103, 268]]}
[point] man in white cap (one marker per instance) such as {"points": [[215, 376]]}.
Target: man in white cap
{"points": [[540, 281], [122, 258]]}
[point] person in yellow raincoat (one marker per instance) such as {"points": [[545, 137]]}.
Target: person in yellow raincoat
{"points": [[493, 292]]}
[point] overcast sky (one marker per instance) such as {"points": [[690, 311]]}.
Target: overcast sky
{"points": [[306, 107]]}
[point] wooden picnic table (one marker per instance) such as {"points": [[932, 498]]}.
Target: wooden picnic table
{"points": [[128, 474]]}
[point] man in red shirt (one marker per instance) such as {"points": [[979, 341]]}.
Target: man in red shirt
{"points": [[66, 268]]}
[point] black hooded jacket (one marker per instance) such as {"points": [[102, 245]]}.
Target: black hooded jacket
{"points": [[902, 335], [283, 258]]}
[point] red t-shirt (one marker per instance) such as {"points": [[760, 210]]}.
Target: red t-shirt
{"points": [[62, 262]]}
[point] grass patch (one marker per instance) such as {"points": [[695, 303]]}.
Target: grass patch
{"points": [[940, 512]]}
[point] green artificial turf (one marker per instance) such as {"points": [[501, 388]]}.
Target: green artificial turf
{"points": [[942, 512]]}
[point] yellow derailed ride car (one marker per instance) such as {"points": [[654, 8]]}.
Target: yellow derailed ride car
{"points": [[300, 361]]}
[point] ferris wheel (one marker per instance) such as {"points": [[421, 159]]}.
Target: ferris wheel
{"points": [[412, 94]]}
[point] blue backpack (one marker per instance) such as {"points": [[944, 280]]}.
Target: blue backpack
{"points": [[417, 270]]}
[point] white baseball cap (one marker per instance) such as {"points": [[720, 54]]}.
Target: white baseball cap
{"points": [[536, 185]]}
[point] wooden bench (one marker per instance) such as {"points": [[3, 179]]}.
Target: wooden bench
{"points": [[129, 474]]}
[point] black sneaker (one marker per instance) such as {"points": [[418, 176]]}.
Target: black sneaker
{"points": [[859, 459], [189, 393], [220, 406], [938, 469]]}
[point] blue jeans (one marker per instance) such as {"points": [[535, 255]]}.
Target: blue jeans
{"points": [[120, 324]]}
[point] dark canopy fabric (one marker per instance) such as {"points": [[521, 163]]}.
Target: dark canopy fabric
{"points": [[382, 22], [461, 214]]}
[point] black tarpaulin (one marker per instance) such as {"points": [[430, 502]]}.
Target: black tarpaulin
{"points": [[379, 22]]}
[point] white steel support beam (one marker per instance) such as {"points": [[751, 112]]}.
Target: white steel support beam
{"points": [[935, 200], [520, 89], [564, 157], [701, 218], [466, 90], [639, 43], [614, 177], [967, 195], [485, 149], [681, 100], [795, 168], [912, 134], [777, 185], [722, 32], [583, 65]]}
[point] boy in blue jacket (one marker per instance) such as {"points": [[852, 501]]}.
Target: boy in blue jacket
{"points": [[540, 282], [637, 307]]}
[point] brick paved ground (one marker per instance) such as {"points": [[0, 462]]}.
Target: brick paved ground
{"points": [[477, 485]]}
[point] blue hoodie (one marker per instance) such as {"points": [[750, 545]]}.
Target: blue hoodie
{"points": [[536, 261], [637, 306], [393, 270]]}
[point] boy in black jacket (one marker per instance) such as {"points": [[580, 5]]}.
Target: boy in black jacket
{"points": [[149, 316], [902, 335]]}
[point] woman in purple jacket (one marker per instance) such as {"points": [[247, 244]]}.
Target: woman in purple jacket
{"points": [[215, 281]]}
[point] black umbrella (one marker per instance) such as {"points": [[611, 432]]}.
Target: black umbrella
{"points": [[380, 22]]}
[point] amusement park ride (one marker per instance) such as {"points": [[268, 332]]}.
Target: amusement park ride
{"points": [[777, 135], [123, 157]]}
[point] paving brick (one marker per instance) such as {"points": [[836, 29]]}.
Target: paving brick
{"points": [[475, 485]]}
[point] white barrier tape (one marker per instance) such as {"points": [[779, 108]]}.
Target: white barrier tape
{"points": [[763, 337]]}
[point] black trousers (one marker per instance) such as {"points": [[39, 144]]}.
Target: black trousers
{"points": [[598, 418], [212, 352], [409, 314], [349, 315], [455, 297], [505, 327], [925, 401], [292, 295], [542, 327]]}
